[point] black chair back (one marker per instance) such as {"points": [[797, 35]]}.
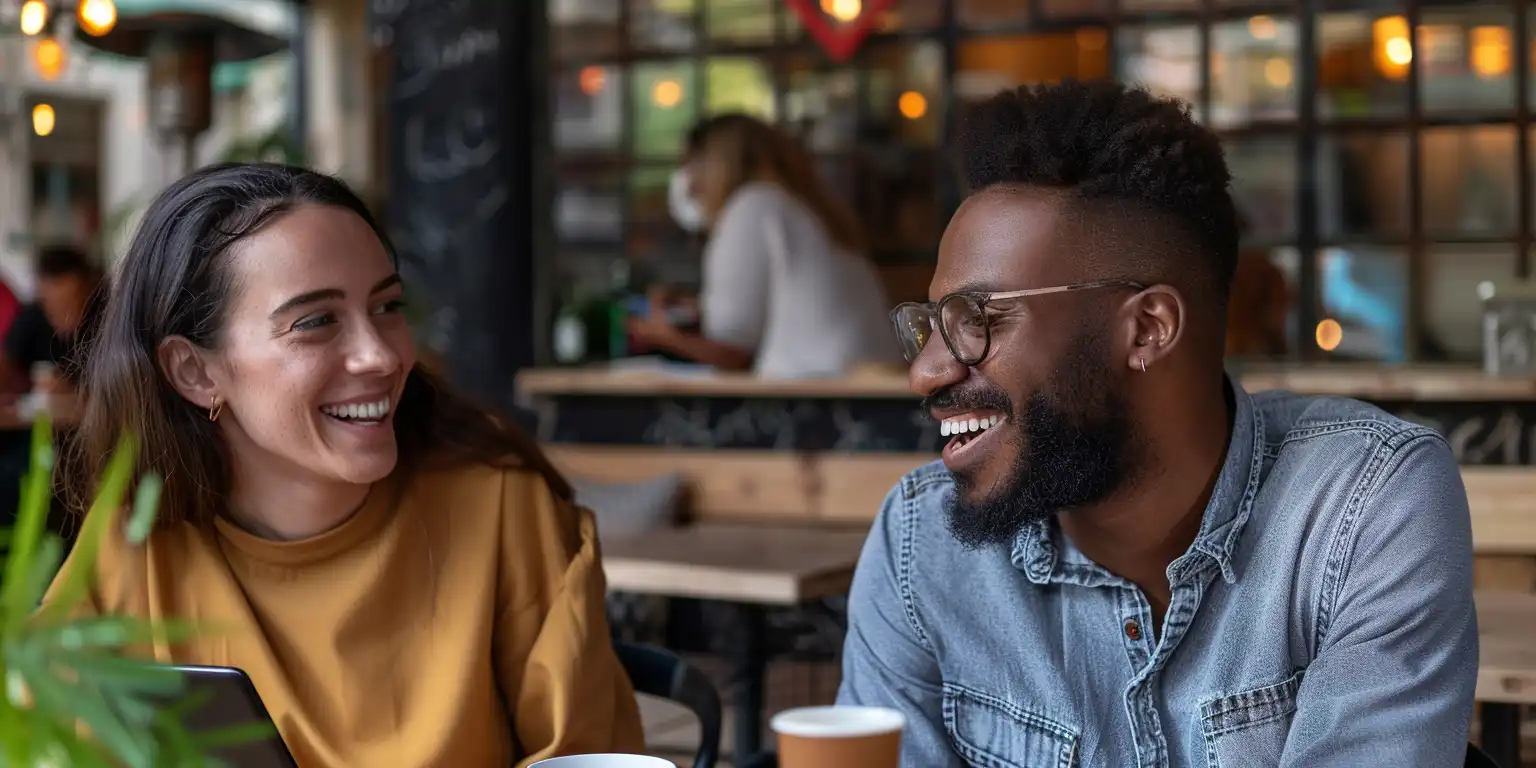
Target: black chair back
{"points": [[663, 674], [1476, 758]]}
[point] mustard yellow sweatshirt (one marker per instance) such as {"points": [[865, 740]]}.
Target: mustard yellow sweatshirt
{"points": [[456, 621]]}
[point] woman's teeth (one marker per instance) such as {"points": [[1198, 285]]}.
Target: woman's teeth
{"points": [[962, 425], [358, 411]]}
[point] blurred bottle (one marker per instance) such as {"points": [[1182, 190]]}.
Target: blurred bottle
{"points": [[570, 329], [622, 303]]}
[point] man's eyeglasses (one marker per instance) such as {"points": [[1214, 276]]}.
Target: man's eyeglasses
{"points": [[962, 319]]}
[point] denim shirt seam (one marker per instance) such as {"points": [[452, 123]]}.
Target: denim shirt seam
{"points": [[1385, 459], [913, 484]]}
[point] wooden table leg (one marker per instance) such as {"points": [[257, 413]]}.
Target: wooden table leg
{"points": [[1501, 733]]}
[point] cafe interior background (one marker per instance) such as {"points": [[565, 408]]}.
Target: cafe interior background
{"points": [[1383, 179]]}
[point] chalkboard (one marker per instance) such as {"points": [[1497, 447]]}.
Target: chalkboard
{"points": [[459, 147]]}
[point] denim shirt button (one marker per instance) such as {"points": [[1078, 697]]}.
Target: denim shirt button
{"points": [[1132, 629]]}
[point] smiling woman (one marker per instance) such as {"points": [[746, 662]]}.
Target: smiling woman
{"points": [[404, 577]]}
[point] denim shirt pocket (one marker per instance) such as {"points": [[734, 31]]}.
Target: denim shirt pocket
{"points": [[1250, 728], [988, 732]]}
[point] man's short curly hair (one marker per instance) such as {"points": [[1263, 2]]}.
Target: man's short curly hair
{"points": [[1116, 147]]}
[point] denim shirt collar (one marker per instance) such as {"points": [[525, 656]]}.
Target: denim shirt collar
{"points": [[1038, 549]]}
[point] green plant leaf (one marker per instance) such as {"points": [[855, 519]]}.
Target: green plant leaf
{"points": [[31, 516], [98, 523], [146, 499]]}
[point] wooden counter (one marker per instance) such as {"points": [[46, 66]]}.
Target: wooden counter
{"points": [[1367, 382]]}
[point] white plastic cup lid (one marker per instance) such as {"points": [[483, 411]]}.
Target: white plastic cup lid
{"points": [[837, 722]]}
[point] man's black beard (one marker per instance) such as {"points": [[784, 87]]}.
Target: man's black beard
{"points": [[1075, 447]]}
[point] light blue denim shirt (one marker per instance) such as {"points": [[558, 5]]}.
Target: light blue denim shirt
{"points": [[1322, 617]]}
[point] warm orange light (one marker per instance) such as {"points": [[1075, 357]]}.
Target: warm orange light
{"points": [[1392, 51], [1490, 51], [842, 10], [48, 57], [1329, 334], [42, 119], [96, 17], [1091, 38], [667, 94], [1262, 28], [1277, 72], [34, 16], [592, 79], [912, 105]]}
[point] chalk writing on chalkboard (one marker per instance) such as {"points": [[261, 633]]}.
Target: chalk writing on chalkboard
{"points": [[429, 58], [463, 144]]}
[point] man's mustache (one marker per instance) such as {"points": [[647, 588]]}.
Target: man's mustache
{"points": [[973, 398]]}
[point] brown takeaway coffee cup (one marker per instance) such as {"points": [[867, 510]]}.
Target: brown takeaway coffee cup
{"points": [[839, 737]]}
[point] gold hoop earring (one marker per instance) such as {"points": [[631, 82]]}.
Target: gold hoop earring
{"points": [[215, 410], [1143, 362]]}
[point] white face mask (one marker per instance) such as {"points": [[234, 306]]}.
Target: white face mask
{"points": [[685, 210]]}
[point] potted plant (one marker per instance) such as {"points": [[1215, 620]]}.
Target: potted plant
{"points": [[73, 692]]}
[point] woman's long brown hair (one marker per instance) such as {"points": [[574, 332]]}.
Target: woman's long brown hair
{"points": [[733, 149], [176, 280]]}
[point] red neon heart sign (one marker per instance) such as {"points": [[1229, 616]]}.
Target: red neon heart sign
{"points": [[840, 41]]}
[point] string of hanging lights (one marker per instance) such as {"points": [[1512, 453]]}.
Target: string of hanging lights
{"points": [[37, 17]]}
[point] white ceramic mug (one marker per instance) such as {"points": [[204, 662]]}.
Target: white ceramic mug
{"points": [[605, 761]]}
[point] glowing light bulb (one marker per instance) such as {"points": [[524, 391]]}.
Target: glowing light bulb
{"points": [[34, 16], [42, 119], [96, 17], [48, 56]]}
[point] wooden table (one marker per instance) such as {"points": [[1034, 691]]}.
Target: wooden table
{"points": [[1506, 674], [750, 567], [761, 565]]}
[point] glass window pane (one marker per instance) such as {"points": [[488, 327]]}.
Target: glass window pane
{"points": [[1253, 70], [648, 192], [663, 24], [747, 22], [903, 15], [1362, 65], [589, 209], [584, 28], [895, 197], [1154, 6], [665, 104], [1466, 55], [1469, 181], [1262, 303], [1363, 303], [906, 92], [982, 14], [1362, 185], [820, 101], [588, 109], [1453, 322], [979, 14], [1076, 9], [1165, 59], [1264, 186], [739, 84], [987, 65]]}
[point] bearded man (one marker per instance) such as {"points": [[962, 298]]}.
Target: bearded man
{"points": [[1124, 559]]}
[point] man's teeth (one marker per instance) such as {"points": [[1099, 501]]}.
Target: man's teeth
{"points": [[973, 424], [358, 411]]}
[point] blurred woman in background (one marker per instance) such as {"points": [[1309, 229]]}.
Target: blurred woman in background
{"points": [[786, 288]]}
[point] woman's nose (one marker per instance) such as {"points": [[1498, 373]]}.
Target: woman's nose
{"points": [[370, 353]]}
